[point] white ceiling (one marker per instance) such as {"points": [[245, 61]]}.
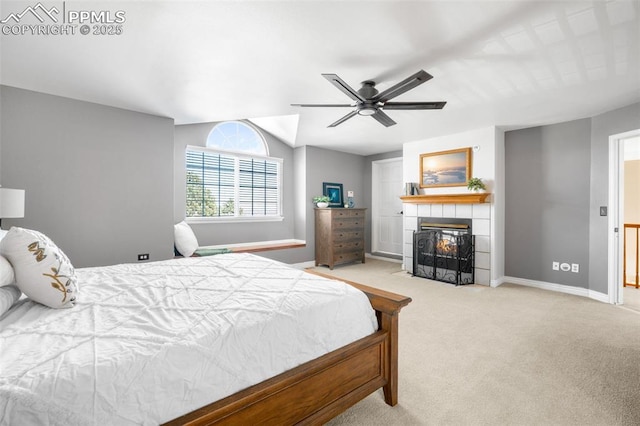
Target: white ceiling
{"points": [[513, 64]]}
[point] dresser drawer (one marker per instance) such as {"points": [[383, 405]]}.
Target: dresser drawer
{"points": [[348, 213], [348, 223], [341, 214], [348, 246], [346, 235], [348, 257]]}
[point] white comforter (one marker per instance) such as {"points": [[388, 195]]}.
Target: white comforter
{"points": [[149, 342]]}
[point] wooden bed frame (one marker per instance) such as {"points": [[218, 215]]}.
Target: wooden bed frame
{"points": [[319, 390]]}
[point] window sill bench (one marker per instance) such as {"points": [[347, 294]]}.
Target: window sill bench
{"points": [[255, 247], [262, 246]]}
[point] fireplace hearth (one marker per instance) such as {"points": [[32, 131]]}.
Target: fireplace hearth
{"points": [[443, 250]]}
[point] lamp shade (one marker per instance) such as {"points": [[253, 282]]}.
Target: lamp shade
{"points": [[11, 203]]}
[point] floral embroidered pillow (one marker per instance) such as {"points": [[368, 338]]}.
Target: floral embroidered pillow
{"points": [[42, 271]]}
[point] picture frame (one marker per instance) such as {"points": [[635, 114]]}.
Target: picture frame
{"points": [[334, 192], [445, 168]]}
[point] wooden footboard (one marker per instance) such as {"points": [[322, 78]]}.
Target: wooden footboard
{"points": [[318, 390], [387, 306]]}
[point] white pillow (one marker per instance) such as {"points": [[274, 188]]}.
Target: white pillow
{"points": [[42, 270], [8, 296], [7, 277], [2, 234], [185, 240]]}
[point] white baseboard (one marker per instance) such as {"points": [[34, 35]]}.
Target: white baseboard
{"points": [[497, 283], [600, 297], [388, 259], [561, 288]]}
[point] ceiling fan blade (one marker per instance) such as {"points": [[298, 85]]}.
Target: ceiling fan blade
{"points": [[383, 118], [343, 119], [343, 87], [404, 86], [323, 105], [414, 105]]}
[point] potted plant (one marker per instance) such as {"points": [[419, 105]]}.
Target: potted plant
{"points": [[476, 184], [322, 201]]}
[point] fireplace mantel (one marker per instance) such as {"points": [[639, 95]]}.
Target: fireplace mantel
{"points": [[470, 198]]}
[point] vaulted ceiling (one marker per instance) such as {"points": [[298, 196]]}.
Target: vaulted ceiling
{"points": [[512, 64]]}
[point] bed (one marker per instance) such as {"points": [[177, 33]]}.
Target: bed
{"points": [[228, 339]]}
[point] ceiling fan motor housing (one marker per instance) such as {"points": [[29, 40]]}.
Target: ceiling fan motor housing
{"points": [[368, 89]]}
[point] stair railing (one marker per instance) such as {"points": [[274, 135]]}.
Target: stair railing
{"points": [[636, 227]]}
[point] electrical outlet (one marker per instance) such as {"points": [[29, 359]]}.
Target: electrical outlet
{"points": [[556, 266], [575, 267], [143, 256]]}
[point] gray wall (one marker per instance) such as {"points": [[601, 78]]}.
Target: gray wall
{"points": [[547, 202], [317, 165], [557, 177], [238, 232], [98, 180], [313, 166], [602, 126]]}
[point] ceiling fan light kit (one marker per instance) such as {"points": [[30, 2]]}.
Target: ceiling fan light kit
{"points": [[366, 109], [370, 102]]}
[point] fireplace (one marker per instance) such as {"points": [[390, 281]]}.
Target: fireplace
{"points": [[443, 250]]}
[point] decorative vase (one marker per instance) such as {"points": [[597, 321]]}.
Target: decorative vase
{"points": [[322, 205]]}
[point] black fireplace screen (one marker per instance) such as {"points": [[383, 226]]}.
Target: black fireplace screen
{"points": [[444, 255]]}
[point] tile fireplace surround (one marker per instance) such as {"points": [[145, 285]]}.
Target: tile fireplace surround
{"points": [[481, 225]]}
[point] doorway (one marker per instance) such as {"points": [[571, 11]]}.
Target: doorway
{"points": [[624, 205], [386, 207]]}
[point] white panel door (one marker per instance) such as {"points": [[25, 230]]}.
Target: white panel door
{"points": [[387, 187]]}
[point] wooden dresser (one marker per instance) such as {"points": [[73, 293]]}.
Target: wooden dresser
{"points": [[339, 236]]}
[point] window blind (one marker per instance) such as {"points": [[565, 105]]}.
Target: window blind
{"points": [[226, 185]]}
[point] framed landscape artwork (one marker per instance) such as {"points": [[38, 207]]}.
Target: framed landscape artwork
{"points": [[445, 168], [334, 192]]}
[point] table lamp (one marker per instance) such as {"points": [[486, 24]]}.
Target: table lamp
{"points": [[11, 203]]}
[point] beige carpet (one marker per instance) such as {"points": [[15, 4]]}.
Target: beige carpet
{"points": [[631, 298], [512, 355]]}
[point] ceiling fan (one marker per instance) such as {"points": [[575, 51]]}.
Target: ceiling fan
{"points": [[368, 101]]}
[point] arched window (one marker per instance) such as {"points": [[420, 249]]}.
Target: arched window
{"points": [[233, 177], [237, 137]]}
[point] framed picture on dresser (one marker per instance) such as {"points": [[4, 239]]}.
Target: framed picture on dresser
{"points": [[334, 192]]}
